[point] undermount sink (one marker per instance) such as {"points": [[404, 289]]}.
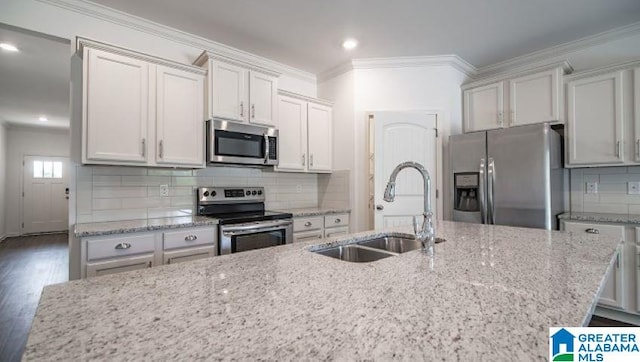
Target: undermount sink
{"points": [[354, 253], [393, 244]]}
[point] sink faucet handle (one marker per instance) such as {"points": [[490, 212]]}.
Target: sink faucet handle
{"points": [[415, 225]]}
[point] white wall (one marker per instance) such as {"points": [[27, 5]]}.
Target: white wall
{"points": [[3, 179], [23, 141]]}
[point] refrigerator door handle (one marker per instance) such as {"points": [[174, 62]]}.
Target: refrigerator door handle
{"points": [[491, 191], [482, 193]]}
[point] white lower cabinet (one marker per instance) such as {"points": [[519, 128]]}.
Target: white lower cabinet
{"points": [[120, 265], [612, 294], [320, 227], [179, 256], [189, 244]]}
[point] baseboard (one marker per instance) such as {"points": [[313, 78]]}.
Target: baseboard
{"points": [[2, 237], [617, 315]]}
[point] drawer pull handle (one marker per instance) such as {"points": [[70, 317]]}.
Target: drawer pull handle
{"points": [[592, 231], [308, 223], [190, 238], [338, 221], [122, 246]]}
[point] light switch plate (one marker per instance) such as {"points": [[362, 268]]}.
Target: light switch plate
{"points": [[592, 188], [164, 190], [633, 188]]}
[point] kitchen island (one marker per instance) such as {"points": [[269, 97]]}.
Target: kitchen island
{"points": [[488, 292]]}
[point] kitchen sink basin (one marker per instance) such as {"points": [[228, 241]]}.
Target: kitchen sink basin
{"points": [[355, 253], [393, 244]]}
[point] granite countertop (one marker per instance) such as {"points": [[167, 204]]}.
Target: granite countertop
{"points": [[315, 211], [133, 226], [601, 217], [490, 292]]}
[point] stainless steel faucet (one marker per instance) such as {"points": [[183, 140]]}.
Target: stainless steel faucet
{"points": [[427, 232]]}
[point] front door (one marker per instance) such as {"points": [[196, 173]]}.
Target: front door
{"points": [[400, 137], [45, 197]]}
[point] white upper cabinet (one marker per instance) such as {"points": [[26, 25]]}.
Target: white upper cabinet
{"points": [[292, 136], [596, 120], [229, 91], [140, 110], [528, 97], [535, 98], [305, 134], [483, 107], [240, 92], [320, 145], [179, 117], [115, 107]]}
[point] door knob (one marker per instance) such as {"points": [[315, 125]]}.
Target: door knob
{"points": [[379, 207]]}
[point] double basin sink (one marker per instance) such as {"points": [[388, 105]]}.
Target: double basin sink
{"points": [[372, 249]]}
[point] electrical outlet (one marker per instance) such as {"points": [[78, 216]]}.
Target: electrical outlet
{"points": [[164, 190], [592, 188], [298, 188], [633, 188]]}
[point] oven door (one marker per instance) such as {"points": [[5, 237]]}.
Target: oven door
{"points": [[235, 238], [228, 142]]}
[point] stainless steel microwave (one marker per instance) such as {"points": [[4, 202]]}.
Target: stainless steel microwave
{"points": [[241, 144]]}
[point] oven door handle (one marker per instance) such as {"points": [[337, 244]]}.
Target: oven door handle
{"points": [[254, 231], [235, 230]]}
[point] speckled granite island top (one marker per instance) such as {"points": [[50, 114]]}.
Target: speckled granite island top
{"points": [[601, 217], [133, 226], [490, 292], [315, 211]]}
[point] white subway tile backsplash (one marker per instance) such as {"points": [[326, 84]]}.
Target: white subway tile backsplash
{"points": [[145, 180], [182, 201], [106, 180], [192, 181], [606, 208], [118, 215], [605, 170], [168, 172], [117, 170], [154, 213], [106, 204], [136, 203], [117, 192], [612, 194]]}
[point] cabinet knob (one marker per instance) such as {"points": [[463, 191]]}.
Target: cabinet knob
{"points": [[304, 161], [338, 221], [592, 231], [122, 246], [308, 223], [253, 111], [379, 207], [190, 238]]}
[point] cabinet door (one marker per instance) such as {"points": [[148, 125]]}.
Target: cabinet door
{"points": [[636, 111], [179, 117], [308, 235], [535, 98], [116, 107], [292, 136], [595, 120], [229, 92], [483, 107], [319, 137], [119, 265], [180, 256], [612, 293], [263, 94]]}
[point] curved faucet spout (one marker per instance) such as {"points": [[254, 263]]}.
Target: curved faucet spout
{"points": [[390, 191]]}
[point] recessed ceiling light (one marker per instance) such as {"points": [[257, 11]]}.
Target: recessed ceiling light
{"points": [[349, 44], [43, 119], [8, 47]]}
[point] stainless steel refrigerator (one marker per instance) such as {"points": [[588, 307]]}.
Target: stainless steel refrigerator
{"points": [[512, 176]]}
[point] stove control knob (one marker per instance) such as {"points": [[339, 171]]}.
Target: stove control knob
{"points": [[205, 194], [259, 192], [248, 193], [213, 194], [254, 192]]}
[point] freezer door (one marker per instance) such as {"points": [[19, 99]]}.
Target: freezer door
{"points": [[467, 153], [519, 176]]}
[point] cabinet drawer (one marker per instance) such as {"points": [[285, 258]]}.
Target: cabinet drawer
{"points": [[119, 266], [179, 256], [121, 245], [308, 223], [307, 235], [587, 229], [333, 232], [188, 237], [335, 220]]}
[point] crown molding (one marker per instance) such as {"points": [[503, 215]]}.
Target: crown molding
{"points": [[603, 70], [450, 60], [133, 22], [560, 51], [519, 72], [206, 56], [305, 98]]}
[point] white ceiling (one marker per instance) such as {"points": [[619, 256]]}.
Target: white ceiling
{"points": [[35, 80], [307, 34]]}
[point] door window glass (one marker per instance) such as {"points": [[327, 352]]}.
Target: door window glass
{"points": [[47, 169]]}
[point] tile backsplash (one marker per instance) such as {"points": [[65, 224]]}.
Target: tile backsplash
{"points": [[110, 193], [611, 196]]}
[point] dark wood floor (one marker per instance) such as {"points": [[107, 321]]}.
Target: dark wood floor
{"points": [[27, 264]]}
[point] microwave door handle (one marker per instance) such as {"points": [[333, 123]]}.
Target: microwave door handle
{"points": [[266, 149]]}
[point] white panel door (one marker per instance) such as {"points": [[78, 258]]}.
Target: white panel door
{"points": [[320, 137], [483, 107], [401, 137], [116, 107], [535, 98], [229, 93], [179, 117], [263, 94], [596, 120], [292, 137], [45, 201]]}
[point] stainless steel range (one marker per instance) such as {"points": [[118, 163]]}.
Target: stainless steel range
{"points": [[244, 223]]}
